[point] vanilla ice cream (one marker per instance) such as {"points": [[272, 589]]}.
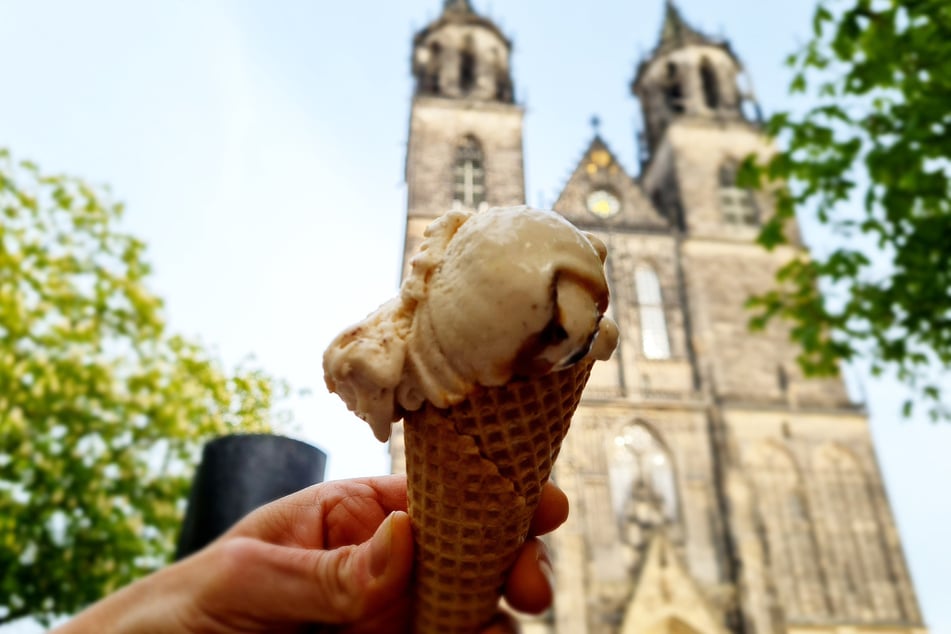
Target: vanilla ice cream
{"points": [[491, 296]]}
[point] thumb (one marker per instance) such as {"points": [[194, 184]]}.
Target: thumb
{"points": [[267, 583], [352, 582]]}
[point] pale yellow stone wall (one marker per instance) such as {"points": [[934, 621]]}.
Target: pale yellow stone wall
{"points": [[742, 365], [437, 127]]}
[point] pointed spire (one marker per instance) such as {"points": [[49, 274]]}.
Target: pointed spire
{"points": [[596, 125], [676, 32], [459, 12], [458, 6]]}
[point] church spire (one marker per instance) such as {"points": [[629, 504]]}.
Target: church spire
{"points": [[460, 6], [688, 75], [676, 32]]}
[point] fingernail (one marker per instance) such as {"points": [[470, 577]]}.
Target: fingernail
{"points": [[380, 547]]}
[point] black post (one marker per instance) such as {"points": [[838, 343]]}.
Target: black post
{"points": [[239, 473]]}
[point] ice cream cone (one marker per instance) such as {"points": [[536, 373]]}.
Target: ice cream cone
{"points": [[475, 472], [491, 296]]}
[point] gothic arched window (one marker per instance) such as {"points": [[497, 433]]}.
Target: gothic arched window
{"points": [[852, 539], [468, 173], [643, 487], [790, 542], [654, 341], [431, 72], [467, 67], [711, 88], [737, 204], [673, 91]]}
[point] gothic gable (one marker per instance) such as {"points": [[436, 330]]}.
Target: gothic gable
{"points": [[597, 183], [666, 599]]}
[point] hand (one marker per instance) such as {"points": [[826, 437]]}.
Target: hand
{"points": [[338, 553]]}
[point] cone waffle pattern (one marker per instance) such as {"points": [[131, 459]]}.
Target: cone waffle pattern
{"points": [[474, 475]]}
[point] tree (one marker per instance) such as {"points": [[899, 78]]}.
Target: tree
{"points": [[871, 157], [102, 411]]}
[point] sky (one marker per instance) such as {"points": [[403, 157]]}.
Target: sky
{"points": [[259, 149]]}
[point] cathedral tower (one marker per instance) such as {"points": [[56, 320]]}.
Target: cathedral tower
{"points": [[465, 130], [689, 94], [713, 487], [702, 440]]}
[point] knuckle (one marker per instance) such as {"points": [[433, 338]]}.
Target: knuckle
{"points": [[335, 573], [233, 558]]}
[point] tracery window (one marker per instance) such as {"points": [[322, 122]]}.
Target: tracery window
{"points": [[790, 540], [852, 539], [469, 174], [654, 340], [737, 204], [643, 487]]}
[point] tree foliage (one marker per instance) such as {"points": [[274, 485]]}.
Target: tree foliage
{"points": [[871, 157], [102, 411]]}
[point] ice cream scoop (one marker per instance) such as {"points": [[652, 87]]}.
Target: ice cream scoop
{"points": [[491, 296], [485, 354]]}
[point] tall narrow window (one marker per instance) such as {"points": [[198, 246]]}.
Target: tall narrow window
{"points": [[467, 67], [654, 340], [503, 84], [737, 204], [469, 174], [673, 92], [711, 89], [790, 541], [643, 487], [852, 539], [782, 379], [431, 77]]}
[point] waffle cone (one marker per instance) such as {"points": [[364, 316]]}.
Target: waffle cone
{"points": [[475, 473]]}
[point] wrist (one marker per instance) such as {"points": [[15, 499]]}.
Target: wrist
{"points": [[152, 604]]}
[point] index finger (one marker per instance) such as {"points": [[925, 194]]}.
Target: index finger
{"points": [[301, 518]]}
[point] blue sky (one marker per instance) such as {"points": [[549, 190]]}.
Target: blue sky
{"points": [[259, 148]]}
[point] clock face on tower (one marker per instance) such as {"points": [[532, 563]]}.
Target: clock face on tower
{"points": [[603, 203]]}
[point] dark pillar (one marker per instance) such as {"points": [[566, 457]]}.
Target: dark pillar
{"points": [[239, 473]]}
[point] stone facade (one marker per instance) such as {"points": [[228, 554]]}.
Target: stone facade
{"points": [[713, 487]]}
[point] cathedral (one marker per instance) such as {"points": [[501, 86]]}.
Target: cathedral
{"points": [[713, 488]]}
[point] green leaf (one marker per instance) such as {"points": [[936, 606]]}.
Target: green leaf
{"points": [[91, 383], [869, 159], [771, 234], [798, 84], [820, 17]]}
